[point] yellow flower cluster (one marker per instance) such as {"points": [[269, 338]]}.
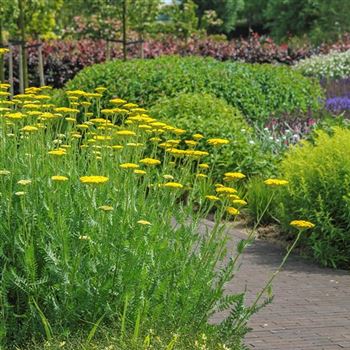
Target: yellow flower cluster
{"points": [[302, 224]]}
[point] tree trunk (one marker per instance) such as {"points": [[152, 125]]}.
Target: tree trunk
{"points": [[124, 30], [23, 44]]}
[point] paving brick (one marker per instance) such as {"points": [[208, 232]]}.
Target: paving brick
{"points": [[311, 308]]}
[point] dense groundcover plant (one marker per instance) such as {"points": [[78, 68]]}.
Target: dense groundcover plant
{"points": [[335, 65], [319, 173], [214, 117], [98, 230], [256, 90]]}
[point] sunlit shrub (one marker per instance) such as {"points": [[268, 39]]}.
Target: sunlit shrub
{"points": [[319, 176]]}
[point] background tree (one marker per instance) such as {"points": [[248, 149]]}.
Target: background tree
{"points": [[179, 18], [319, 19], [226, 10]]}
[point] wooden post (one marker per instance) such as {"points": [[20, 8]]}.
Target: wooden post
{"points": [[21, 78], [11, 70], [124, 30], [23, 44], [41, 65]]}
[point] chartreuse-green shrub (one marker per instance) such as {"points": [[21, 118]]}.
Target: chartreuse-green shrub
{"points": [[319, 191], [258, 91], [208, 115]]}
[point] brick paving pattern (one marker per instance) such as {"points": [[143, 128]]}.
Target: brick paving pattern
{"points": [[311, 306]]}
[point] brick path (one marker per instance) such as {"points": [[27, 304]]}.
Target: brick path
{"points": [[311, 308]]}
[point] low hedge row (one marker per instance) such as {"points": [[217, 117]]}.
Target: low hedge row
{"points": [[258, 91]]}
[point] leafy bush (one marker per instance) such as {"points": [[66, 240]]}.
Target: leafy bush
{"points": [[335, 65], [213, 117], [319, 175], [256, 90]]}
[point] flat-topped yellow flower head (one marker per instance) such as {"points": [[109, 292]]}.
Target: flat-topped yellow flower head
{"points": [[212, 198], [230, 176], [275, 182], [225, 190], [232, 211], [217, 142], [129, 166], [105, 208], [173, 185], [144, 222], [150, 161], [302, 224], [94, 180], [59, 178], [57, 152]]}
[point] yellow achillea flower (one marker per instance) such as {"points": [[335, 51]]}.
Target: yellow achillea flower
{"points": [[129, 166], [82, 126], [203, 166], [168, 177], [125, 133], [92, 180], [15, 115], [3, 51], [225, 190], [302, 224], [106, 208], [191, 143], [3, 93], [130, 105], [117, 147], [58, 152], [76, 93], [20, 193], [117, 101], [212, 198], [144, 222], [240, 202], [233, 197], [197, 136], [59, 178], [218, 142], [100, 89], [232, 211], [134, 144], [29, 128], [5, 172], [150, 161], [66, 110], [140, 172], [234, 176], [201, 175], [24, 182], [275, 182], [173, 185]]}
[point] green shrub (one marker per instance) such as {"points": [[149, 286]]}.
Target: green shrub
{"points": [[319, 179], [213, 117], [258, 91], [335, 65]]}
